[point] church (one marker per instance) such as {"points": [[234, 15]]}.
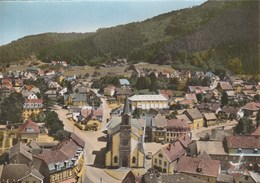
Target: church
{"points": [[125, 141]]}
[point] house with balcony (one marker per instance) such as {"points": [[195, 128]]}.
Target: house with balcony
{"points": [[63, 163], [32, 106]]}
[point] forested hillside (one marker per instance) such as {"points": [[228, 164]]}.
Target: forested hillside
{"points": [[212, 35]]}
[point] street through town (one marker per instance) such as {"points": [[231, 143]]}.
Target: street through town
{"points": [[92, 146]]}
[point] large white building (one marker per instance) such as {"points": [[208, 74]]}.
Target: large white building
{"points": [[149, 101]]}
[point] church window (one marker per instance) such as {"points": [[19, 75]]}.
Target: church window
{"points": [[155, 160], [133, 160], [115, 159]]}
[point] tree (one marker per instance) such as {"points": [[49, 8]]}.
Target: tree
{"points": [[244, 127], [12, 108], [235, 65], [53, 123], [199, 97], [224, 98], [258, 118], [195, 82], [257, 98], [61, 135], [143, 83], [206, 81], [137, 113]]}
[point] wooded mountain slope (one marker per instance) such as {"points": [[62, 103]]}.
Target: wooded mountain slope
{"points": [[208, 36]]}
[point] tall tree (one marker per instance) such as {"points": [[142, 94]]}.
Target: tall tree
{"points": [[143, 83], [224, 98], [12, 108], [244, 127]]}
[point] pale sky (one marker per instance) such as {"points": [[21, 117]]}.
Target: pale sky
{"points": [[23, 18]]}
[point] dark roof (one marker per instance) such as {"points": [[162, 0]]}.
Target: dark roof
{"points": [[126, 109], [20, 148], [131, 178], [194, 114], [201, 166], [248, 142], [170, 178], [69, 148], [18, 171], [77, 139]]}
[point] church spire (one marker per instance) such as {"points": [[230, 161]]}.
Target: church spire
{"points": [[127, 109]]}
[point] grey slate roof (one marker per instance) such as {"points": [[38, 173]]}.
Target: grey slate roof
{"points": [[20, 148], [18, 172]]}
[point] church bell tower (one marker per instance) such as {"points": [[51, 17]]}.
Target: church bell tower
{"points": [[125, 136]]}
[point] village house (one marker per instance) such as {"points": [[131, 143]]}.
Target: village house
{"points": [[149, 101], [32, 106], [159, 123], [210, 119], [202, 167], [246, 147], [109, 90], [122, 93], [29, 131], [75, 99], [11, 173], [196, 117], [90, 119], [176, 128], [166, 159], [20, 153], [229, 112], [51, 94], [251, 108], [224, 86], [63, 163]]}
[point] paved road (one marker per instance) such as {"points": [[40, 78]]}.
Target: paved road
{"points": [[199, 132], [92, 147]]}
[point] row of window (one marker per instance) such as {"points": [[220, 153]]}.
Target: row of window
{"points": [[28, 105], [61, 176], [160, 162]]}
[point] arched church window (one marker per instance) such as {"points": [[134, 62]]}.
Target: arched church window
{"points": [[133, 160], [115, 159]]}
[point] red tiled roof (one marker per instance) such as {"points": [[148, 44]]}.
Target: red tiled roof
{"points": [[29, 127], [39, 101], [53, 156], [69, 147], [247, 142], [88, 112], [252, 106], [173, 151], [225, 85], [185, 140], [177, 123], [200, 166]]}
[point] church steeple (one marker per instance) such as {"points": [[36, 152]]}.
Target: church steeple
{"points": [[127, 109], [126, 115]]}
